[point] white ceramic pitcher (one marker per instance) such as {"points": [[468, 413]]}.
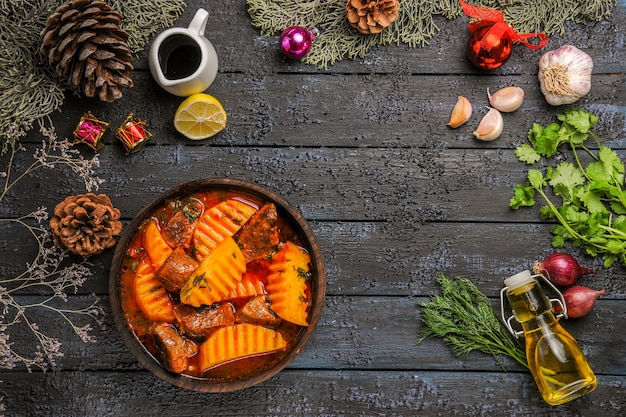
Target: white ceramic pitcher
{"points": [[182, 60]]}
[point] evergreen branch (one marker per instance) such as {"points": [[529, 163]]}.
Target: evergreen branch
{"points": [[415, 25]]}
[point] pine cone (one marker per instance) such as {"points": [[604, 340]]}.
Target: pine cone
{"points": [[86, 224], [85, 46], [372, 16]]}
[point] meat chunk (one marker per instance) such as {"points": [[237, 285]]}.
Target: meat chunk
{"points": [[199, 322], [259, 236], [177, 267], [257, 311], [178, 230], [174, 349]]}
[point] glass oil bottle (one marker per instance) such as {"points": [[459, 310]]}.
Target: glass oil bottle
{"points": [[556, 362]]}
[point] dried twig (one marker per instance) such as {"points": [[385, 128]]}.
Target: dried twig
{"points": [[49, 273]]}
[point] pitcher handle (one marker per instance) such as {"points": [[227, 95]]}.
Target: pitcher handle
{"points": [[198, 24]]}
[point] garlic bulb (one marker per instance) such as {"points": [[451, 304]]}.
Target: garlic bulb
{"points": [[507, 99], [565, 75], [461, 112], [490, 127]]}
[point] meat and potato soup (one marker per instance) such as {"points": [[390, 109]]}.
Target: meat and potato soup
{"points": [[216, 285]]}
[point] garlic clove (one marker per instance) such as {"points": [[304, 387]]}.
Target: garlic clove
{"points": [[507, 99], [461, 112], [565, 75], [490, 127]]}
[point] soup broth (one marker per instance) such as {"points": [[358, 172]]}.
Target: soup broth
{"points": [[196, 208]]}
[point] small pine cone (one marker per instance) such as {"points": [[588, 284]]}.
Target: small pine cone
{"points": [[372, 16], [85, 46], [86, 224]]}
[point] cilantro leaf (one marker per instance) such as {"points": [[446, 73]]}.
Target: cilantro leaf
{"points": [[612, 164], [591, 199], [568, 133], [524, 196], [618, 208], [545, 213], [547, 142], [620, 223], [526, 153], [596, 171], [579, 119], [534, 133], [535, 178], [565, 178]]}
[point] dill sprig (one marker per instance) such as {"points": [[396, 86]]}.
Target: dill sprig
{"points": [[463, 317]]}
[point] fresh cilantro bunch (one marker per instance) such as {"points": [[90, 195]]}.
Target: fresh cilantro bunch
{"points": [[592, 207]]}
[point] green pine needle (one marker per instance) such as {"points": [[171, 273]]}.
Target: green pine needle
{"points": [[463, 317], [416, 23]]}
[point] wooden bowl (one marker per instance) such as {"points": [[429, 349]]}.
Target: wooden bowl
{"points": [[317, 286]]}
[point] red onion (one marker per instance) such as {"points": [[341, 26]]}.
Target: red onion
{"points": [[561, 268], [580, 300]]}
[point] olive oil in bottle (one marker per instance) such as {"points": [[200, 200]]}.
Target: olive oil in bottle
{"points": [[555, 360]]}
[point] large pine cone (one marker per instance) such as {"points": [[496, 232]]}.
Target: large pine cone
{"points": [[372, 16], [86, 224], [85, 46]]}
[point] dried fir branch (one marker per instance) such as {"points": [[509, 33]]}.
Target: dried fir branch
{"points": [[143, 19], [28, 90], [416, 23], [50, 273], [270, 16]]}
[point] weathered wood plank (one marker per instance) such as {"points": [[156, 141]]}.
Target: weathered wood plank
{"points": [[349, 110], [391, 184], [295, 393], [354, 333], [395, 198], [378, 258]]}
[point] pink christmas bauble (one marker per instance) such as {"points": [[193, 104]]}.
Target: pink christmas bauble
{"points": [[296, 41]]}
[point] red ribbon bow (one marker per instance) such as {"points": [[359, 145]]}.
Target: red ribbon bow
{"points": [[499, 26]]}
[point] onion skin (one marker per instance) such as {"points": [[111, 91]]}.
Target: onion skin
{"points": [[579, 300], [561, 268]]}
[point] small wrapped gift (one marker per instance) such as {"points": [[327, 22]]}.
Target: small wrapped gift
{"points": [[90, 131], [133, 134]]}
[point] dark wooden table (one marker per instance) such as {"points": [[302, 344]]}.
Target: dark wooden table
{"points": [[395, 198]]}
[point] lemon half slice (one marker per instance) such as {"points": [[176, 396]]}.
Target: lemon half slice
{"points": [[200, 116]]}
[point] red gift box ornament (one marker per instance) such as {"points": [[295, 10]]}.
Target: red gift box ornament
{"points": [[90, 131], [133, 134], [491, 40]]}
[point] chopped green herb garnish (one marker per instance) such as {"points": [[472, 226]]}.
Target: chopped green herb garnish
{"points": [[303, 274]]}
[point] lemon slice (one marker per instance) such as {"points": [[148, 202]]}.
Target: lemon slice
{"points": [[200, 116]]}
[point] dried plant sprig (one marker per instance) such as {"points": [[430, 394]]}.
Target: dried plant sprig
{"points": [[53, 152], [50, 273]]}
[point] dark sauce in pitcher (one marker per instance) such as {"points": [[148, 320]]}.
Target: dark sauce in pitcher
{"points": [[179, 57]]}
